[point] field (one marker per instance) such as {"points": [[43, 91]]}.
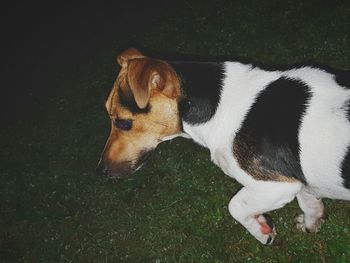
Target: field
{"points": [[54, 208]]}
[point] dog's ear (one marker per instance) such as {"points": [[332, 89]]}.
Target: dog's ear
{"points": [[127, 55], [145, 74]]}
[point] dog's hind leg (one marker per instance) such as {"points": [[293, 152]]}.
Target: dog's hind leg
{"points": [[313, 209], [250, 203]]}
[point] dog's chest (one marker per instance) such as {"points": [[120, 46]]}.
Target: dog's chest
{"points": [[217, 142]]}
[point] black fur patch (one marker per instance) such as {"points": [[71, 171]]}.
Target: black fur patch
{"points": [[269, 221], [267, 144], [184, 106], [346, 162], [346, 169], [201, 86], [342, 77], [127, 100]]}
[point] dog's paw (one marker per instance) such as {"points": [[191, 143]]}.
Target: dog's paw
{"points": [[312, 227], [267, 232], [299, 221]]}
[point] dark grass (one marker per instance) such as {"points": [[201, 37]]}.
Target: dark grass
{"points": [[55, 209]]}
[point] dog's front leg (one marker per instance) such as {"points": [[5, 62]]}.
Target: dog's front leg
{"points": [[250, 203]]}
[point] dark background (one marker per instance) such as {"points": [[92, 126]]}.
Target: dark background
{"points": [[41, 39]]}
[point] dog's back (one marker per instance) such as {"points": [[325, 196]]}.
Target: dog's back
{"points": [[324, 134]]}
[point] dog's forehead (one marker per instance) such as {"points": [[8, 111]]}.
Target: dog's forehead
{"points": [[113, 107], [111, 102]]}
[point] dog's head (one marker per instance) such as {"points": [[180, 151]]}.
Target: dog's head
{"points": [[143, 111]]}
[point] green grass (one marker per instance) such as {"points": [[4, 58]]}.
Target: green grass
{"points": [[55, 209]]}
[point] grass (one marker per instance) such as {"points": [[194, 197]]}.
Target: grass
{"points": [[55, 209]]}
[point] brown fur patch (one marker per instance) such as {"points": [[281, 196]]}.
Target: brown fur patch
{"points": [[145, 74], [251, 163], [128, 54]]}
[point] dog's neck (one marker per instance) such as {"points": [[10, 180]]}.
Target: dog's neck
{"points": [[201, 84]]}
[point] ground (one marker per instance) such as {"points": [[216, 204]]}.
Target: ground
{"points": [[53, 206]]}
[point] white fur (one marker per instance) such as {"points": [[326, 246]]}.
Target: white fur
{"points": [[324, 137], [324, 134], [313, 210], [249, 203]]}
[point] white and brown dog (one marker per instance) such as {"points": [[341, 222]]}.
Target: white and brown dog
{"points": [[280, 133]]}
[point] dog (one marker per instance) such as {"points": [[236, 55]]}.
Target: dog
{"points": [[280, 133]]}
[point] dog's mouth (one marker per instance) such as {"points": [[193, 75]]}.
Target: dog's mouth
{"points": [[125, 169], [143, 157]]}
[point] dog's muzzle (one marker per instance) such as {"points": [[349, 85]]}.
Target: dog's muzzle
{"points": [[122, 169]]}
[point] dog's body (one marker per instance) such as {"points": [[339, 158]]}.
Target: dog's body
{"points": [[281, 134], [303, 108]]}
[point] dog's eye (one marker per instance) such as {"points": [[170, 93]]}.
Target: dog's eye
{"points": [[123, 124]]}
